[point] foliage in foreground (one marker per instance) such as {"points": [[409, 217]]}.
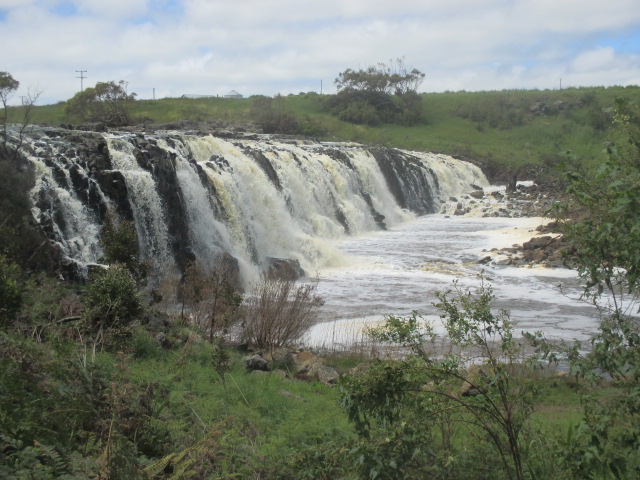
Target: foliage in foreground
{"points": [[406, 410], [151, 413], [606, 237], [424, 402]]}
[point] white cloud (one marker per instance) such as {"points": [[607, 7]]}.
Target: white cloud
{"points": [[597, 59], [270, 46]]}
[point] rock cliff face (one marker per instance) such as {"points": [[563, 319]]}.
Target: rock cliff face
{"points": [[195, 197]]}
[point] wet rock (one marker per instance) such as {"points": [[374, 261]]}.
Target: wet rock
{"points": [[537, 242], [323, 374], [406, 180], [230, 266], [284, 269]]}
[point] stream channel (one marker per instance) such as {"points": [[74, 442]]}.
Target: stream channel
{"points": [[399, 270]]}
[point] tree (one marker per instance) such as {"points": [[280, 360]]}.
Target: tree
{"points": [[392, 78], [20, 241], [8, 85], [380, 93], [601, 223], [107, 102]]}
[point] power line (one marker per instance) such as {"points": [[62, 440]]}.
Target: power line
{"points": [[81, 77]]}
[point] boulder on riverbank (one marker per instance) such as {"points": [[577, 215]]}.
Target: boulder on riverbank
{"points": [[306, 365], [546, 247]]}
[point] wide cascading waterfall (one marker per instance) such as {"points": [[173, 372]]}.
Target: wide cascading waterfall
{"points": [[254, 198]]}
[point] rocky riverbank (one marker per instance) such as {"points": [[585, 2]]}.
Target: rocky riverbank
{"points": [[544, 246]]}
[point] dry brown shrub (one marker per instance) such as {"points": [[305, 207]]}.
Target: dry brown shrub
{"points": [[279, 312]]}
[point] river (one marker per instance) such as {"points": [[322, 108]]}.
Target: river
{"points": [[399, 270]]}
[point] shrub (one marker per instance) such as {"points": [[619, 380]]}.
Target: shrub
{"points": [[279, 312], [273, 116], [602, 225], [416, 401], [120, 243], [360, 112], [212, 298], [112, 300]]}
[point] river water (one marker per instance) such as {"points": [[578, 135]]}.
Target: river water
{"points": [[399, 270]]}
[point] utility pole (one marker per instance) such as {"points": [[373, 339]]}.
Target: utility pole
{"points": [[320, 86], [81, 77]]}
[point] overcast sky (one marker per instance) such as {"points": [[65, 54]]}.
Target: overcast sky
{"points": [[290, 46]]}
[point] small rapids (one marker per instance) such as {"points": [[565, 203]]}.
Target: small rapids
{"points": [[400, 270]]}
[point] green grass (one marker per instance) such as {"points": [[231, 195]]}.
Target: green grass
{"points": [[265, 416], [499, 127]]}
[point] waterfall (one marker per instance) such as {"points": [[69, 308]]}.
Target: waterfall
{"points": [[255, 198], [66, 201], [145, 201]]}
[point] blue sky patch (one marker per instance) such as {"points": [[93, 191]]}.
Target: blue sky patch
{"points": [[64, 9], [166, 7], [159, 9], [629, 43]]}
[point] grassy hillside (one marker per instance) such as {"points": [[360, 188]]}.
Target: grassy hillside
{"points": [[507, 128]]}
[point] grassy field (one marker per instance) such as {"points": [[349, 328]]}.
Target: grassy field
{"points": [[152, 413], [508, 128]]}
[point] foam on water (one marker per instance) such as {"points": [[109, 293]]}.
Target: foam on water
{"points": [[398, 271]]}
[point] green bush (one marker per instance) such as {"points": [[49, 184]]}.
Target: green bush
{"points": [[120, 243], [273, 116], [406, 411], [112, 301], [360, 112]]}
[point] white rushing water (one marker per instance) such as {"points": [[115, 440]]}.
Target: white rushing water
{"points": [[54, 199], [321, 204], [397, 271], [147, 204]]}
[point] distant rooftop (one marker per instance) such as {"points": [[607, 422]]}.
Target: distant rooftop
{"points": [[233, 94], [191, 95]]}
